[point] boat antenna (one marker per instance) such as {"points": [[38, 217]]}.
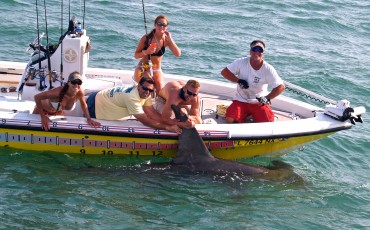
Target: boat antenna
{"points": [[47, 48], [61, 43]]}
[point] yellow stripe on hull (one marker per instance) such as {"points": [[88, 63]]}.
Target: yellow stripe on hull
{"points": [[265, 147], [113, 145]]}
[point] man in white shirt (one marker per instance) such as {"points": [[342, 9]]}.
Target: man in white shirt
{"points": [[253, 76]]}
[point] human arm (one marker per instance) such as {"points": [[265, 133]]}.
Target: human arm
{"points": [[51, 94], [86, 112], [227, 74], [152, 118], [276, 91], [194, 113], [167, 113], [172, 44], [140, 52]]}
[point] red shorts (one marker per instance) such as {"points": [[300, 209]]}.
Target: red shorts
{"points": [[239, 111]]}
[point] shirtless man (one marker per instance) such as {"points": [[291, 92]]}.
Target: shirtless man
{"points": [[179, 93]]}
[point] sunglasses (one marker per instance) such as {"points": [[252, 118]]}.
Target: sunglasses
{"points": [[257, 49], [147, 89], [76, 82], [191, 94], [161, 24]]}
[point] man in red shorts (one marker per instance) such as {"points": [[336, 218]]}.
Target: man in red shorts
{"points": [[253, 76]]}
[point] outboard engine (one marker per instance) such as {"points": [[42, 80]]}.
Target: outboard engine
{"points": [[342, 112]]}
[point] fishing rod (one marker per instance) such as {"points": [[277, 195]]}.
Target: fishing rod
{"points": [[146, 29], [47, 50], [83, 17], [41, 71], [61, 43], [148, 66]]}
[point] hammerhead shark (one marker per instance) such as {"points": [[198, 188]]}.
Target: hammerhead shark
{"points": [[194, 156]]}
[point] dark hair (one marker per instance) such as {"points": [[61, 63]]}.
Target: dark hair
{"points": [[146, 79], [61, 94], [65, 87]]}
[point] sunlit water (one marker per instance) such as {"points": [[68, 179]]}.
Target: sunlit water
{"points": [[320, 45]]}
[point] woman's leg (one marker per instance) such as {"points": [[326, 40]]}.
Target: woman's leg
{"points": [[158, 80], [137, 74]]}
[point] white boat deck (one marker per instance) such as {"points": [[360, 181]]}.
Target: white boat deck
{"points": [[213, 107]]}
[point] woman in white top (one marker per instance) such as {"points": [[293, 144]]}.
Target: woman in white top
{"points": [[55, 101]]}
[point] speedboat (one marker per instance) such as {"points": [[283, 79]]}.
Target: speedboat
{"points": [[296, 124]]}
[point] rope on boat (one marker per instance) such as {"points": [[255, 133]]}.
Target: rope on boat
{"points": [[308, 94]]}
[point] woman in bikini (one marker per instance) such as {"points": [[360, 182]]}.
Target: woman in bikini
{"points": [[151, 48], [55, 101]]}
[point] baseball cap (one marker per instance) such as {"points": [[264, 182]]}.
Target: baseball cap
{"points": [[258, 43], [75, 76]]}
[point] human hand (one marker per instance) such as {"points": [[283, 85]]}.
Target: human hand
{"points": [[188, 124], [45, 122], [243, 84], [174, 129], [151, 49], [263, 100], [93, 123], [167, 35]]}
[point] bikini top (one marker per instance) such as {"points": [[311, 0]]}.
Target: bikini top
{"points": [[159, 53], [55, 105]]}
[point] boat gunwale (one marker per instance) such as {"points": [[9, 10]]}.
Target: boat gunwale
{"points": [[172, 136]]}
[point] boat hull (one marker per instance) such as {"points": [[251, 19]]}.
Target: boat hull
{"points": [[297, 124], [107, 145]]}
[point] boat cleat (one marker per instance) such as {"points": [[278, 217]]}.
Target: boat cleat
{"points": [[342, 112]]}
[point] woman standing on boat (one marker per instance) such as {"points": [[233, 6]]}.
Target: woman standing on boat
{"points": [[55, 101], [151, 48]]}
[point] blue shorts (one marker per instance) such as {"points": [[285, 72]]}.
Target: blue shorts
{"points": [[91, 104]]}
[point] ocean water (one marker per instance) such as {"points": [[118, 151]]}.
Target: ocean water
{"points": [[321, 45]]}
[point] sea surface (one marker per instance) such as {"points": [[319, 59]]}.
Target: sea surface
{"points": [[321, 45]]}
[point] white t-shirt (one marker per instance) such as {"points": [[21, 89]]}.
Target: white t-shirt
{"points": [[119, 102], [258, 80]]}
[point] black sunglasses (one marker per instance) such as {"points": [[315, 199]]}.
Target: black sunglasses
{"points": [[161, 24], [147, 89], [191, 94], [76, 82], [257, 49]]}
